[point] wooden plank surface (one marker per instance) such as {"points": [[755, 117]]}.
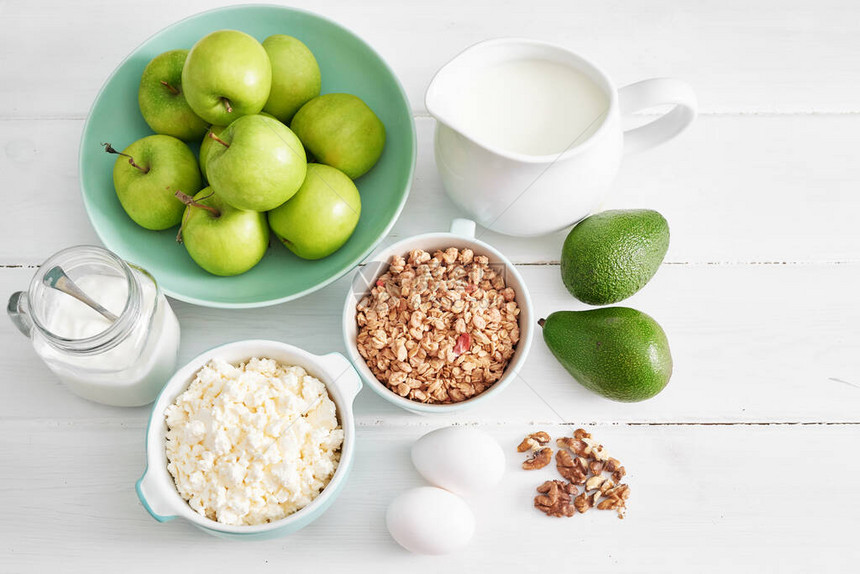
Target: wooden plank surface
{"points": [[703, 499], [734, 189], [769, 56], [751, 343], [757, 294]]}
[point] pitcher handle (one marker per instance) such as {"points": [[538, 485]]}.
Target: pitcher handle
{"points": [[655, 92], [17, 310]]}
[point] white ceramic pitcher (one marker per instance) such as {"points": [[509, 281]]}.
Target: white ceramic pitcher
{"points": [[527, 195]]}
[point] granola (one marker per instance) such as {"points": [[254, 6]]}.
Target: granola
{"points": [[440, 327]]}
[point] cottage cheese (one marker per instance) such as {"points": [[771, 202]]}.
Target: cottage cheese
{"points": [[252, 443]]}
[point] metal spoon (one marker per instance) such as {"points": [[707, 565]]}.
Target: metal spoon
{"points": [[57, 279]]}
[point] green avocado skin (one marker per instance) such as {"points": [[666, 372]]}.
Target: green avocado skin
{"points": [[617, 352], [610, 256]]}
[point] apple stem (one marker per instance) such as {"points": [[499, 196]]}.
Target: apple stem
{"points": [[110, 149], [219, 140], [541, 322], [172, 89], [181, 227], [227, 105], [188, 200]]}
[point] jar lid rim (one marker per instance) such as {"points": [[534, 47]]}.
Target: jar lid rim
{"points": [[117, 331]]}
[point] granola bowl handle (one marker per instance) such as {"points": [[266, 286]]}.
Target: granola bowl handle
{"points": [[463, 228], [461, 236]]}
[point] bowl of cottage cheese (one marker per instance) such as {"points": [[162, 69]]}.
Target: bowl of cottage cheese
{"points": [[251, 440]]}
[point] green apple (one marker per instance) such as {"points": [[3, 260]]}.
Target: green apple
{"points": [[221, 239], [295, 76], [321, 217], [148, 172], [257, 163], [341, 131], [208, 141], [227, 75], [162, 102]]}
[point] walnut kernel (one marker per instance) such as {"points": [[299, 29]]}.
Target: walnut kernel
{"points": [[533, 441], [594, 482], [554, 498], [582, 503], [540, 459], [568, 468]]}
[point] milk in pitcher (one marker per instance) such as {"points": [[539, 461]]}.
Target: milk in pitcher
{"points": [[529, 106]]}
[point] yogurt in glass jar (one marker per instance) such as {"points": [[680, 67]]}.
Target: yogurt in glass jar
{"points": [[124, 362]]}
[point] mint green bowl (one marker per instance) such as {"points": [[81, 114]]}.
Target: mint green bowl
{"points": [[347, 64], [156, 489]]}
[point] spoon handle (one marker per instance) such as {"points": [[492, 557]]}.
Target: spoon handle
{"points": [[17, 310], [57, 278]]}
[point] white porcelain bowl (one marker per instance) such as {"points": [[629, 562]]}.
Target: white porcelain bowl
{"points": [[156, 488], [462, 235]]}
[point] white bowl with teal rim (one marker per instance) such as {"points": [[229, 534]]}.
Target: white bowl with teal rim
{"points": [[461, 236], [156, 489]]}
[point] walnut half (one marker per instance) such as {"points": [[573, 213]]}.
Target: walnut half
{"points": [[554, 498], [574, 445], [616, 499], [582, 503], [594, 482], [572, 469], [533, 441], [540, 459]]}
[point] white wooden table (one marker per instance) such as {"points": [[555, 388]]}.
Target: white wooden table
{"points": [[749, 458]]}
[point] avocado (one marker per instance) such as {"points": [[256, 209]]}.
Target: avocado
{"points": [[610, 256], [617, 352]]}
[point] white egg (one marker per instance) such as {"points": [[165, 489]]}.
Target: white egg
{"points": [[463, 460], [429, 520]]}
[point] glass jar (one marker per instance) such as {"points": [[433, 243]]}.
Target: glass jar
{"points": [[124, 362]]}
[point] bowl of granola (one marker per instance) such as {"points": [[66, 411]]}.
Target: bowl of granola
{"points": [[438, 322]]}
